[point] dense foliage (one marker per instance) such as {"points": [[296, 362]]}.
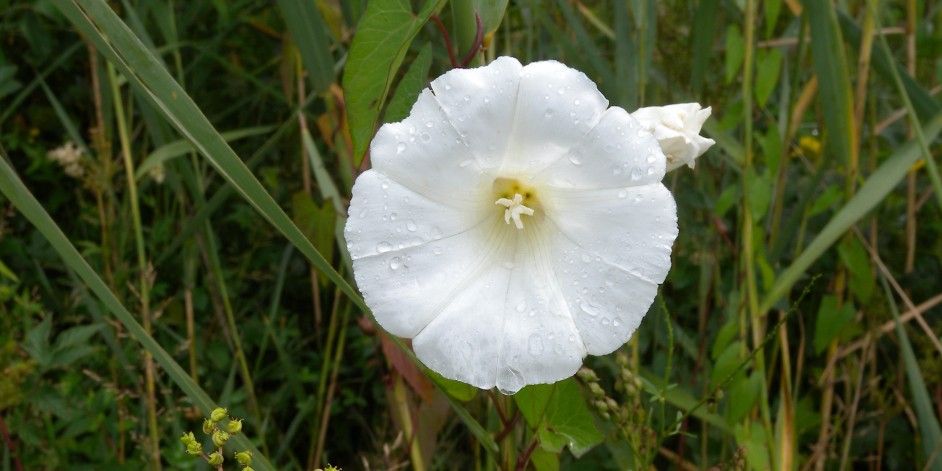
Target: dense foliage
{"points": [[185, 250]]}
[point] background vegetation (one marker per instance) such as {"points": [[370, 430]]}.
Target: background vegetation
{"points": [[191, 254]]}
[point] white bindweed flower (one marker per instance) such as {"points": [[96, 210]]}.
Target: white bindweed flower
{"points": [[512, 224], [677, 129]]}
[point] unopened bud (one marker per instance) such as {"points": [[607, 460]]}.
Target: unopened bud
{"points": [[220, 438], [208, 426], [587, 375], [187, 438], [234, 426], [244, 457], [194, 448], [596, 390], [218, 414], [215, 458]]}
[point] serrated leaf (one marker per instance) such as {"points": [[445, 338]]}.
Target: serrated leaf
{"points": [[379, 46], [76, 336], [559, 414], [36, 343]]}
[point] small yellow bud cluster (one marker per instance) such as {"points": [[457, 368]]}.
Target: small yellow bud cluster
{"points": [[219, 434]]}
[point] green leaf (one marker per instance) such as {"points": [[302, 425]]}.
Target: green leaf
{"points": [[768, 66], [832, 194], [735, 52], [742, 395], [309, 34], [381, 42], [559, 415], [830, 322], [491, 12], [929, 427], [412, 83], [76, 336], [175, 149], [830, 63], [36, 343], [857, 260], [456, 389], [545, 460], [880, 183], [726, 363]]}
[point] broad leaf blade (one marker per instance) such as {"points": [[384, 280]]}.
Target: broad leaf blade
{"points": [[381, 42]]}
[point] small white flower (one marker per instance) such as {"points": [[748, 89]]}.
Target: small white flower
{"points": [[69, 156], [512, 224], [677, 129]]}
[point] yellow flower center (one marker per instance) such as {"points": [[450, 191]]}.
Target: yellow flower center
{"points": [[519, 200]]}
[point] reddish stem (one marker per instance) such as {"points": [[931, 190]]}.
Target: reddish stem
{"points": [[441, 27], [524, 457], [9, 442], [478, 41]]}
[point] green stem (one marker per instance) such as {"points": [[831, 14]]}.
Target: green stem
{"points": [[142, 266]]}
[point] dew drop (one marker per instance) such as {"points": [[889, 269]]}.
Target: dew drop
{"points": [[436, 233], [383, 247], [622, 193], [410, 225], [465, 163], [522, 306], [549, 113], [576, 102], [635, 174], [437, 250], [535, 345], [395, 263], [642, 133], [385, 185], [401, 147], [586, 258], [487, 99], [393, 216], [575, 159], [616, 322], [588, 308], [651, 158]]}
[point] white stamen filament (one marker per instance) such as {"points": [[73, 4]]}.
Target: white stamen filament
{"points": [[515, 208]]}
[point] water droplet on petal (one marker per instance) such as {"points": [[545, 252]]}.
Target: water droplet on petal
{"points": [[393, 216], [535, 345], [410, 225], [522, 306], [635, 174], [622, 193], [401, 147], [395, 263], [549, 113], [383, 247], [575, 159], [576, 102], [642, 133], [588, 308]]}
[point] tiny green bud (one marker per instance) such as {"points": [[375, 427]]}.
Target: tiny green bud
{"points": [[234, 426], [208, 426], [601, 406], [218, 414], [220, 438], [244, 457], [587, 375], [194, 448], [187, 438], [596, 390], [215, 458]]}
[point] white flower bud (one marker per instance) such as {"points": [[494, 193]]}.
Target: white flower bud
{"points": [[677, 130]]}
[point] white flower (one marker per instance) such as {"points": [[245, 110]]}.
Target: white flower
{"points": [[677, 129], [69, 156], [512, 224]]}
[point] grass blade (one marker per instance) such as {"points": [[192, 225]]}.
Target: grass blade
{"points": [[113, 38], [29, 207]]}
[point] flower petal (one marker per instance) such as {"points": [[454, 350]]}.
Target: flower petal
{"points": [[607, 303], [425, 153], [464, 341], [408, 288], [617, 152], [556, 107], [386, 216], [480, 104], [632, 228]]}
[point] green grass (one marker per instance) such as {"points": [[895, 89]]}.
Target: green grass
{"points": [[798, 327]]}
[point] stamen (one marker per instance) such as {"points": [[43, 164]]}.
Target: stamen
{"points": [[515, 208]]}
